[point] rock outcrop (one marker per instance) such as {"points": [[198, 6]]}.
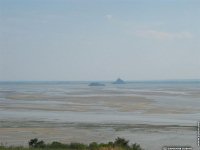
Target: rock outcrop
{"points": [[119, 81]]}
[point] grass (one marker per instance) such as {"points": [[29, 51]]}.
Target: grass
{"points": [[35, 144]]}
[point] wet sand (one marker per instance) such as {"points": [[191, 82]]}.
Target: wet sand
{"points": [[151, 115], [85, 104], [151, 137], [92, 103]]}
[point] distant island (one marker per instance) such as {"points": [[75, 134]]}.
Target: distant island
{"points": [[119, 81], [96, 84]]}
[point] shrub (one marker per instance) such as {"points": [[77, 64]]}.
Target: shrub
{"points": [[121, 142], [77, 146], [55, 144], [33, 142], [136, 147], [40, 144], [118, 144], [93, 146], [111, 144], [36, 144], [111, 148]]}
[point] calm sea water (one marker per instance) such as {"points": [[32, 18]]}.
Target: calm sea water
{"points": [[69, 102]]}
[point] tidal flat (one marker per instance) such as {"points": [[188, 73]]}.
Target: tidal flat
{"points": [[154, 114]]}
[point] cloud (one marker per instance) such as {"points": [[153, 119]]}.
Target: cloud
{"points": [[163, 35], [108, 16]]}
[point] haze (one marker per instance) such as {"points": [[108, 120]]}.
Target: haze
{"points": [[99, 39]]}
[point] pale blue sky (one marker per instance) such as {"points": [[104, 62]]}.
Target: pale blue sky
{"points": [[99, 39]]}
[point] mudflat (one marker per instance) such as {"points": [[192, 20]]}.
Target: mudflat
{"points": [[140, 112]]}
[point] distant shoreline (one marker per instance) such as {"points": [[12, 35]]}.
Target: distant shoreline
{"points": [[108, 81]]}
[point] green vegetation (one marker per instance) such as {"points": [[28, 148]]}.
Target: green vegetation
{"points": [[118, 144]]}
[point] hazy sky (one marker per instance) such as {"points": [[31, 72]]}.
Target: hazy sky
{"points": [[99, 39]]}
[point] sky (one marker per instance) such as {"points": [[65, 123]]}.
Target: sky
{"points": [[99, 39]]}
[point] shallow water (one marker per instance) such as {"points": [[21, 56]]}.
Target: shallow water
{"points": [[149, 102], [58, 104]]}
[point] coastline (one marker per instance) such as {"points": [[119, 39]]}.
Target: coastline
{"points": [[145, 134]]}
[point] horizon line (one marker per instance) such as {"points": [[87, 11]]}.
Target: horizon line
{"points": [[140, 80]]}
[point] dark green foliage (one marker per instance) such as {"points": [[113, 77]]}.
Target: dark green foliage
{"points": [[136, 147], [118, 144], [111, 144], [77, 146], [40, 144], [36, 144], [102, 145], [121, 142], [93, 146], [33, 142], [56, 145]]}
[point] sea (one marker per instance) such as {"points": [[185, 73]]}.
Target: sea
{"points": [[135, 104]]}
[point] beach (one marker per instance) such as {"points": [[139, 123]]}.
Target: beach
{"points": [[142, 112]]}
